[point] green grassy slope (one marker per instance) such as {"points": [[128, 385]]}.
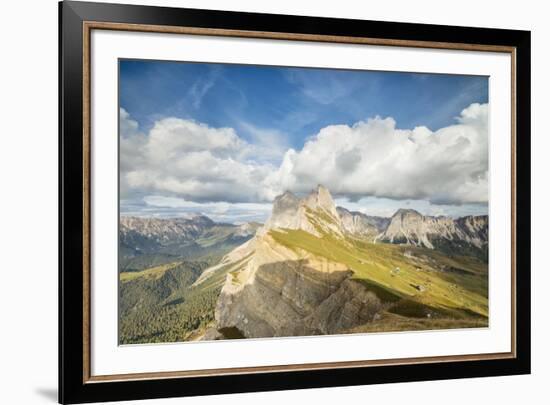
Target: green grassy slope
{"points": [[414, 282]]}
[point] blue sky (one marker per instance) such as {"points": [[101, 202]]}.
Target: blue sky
{"points": [[275, 111], [297, 102]]}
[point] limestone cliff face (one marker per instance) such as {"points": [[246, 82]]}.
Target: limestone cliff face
{"points": [[321, 199], [360, 225], [410, 227], [271, 296], [314, 214], [274, 290]]}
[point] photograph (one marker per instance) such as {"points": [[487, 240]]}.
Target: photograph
{"points": [[279, 201], [259, 200]]}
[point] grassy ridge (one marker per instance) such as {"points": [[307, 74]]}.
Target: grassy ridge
{"points": [[454, 287], [396, 323], [151, 273]]}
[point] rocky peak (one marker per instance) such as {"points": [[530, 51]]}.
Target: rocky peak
{"points": [[248, 229], [286, 202], [406, 219], [200, 220], [361, 225], [320, 198], [316, 210], [412, 228], [406, 212]]}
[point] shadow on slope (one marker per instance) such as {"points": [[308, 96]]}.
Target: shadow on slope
{"points": [[294, 298]]}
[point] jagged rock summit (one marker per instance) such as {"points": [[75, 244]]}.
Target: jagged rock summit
{"points": [[315, 214], [410, 227], [321, 199], [362, 225], [271, 289]]}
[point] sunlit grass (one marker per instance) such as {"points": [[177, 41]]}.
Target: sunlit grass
{"points": [[150, 273], [423, 277]]}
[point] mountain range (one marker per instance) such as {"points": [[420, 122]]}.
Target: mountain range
{"points": [[145, 242], [313, 268], [362, 225], [468, 234], [317, 213], [190, 236]]}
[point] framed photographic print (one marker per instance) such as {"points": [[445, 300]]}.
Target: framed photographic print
{"points": [[256, 202]]}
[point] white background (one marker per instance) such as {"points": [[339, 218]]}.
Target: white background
{"points": [[28, 202], [109, 358]]}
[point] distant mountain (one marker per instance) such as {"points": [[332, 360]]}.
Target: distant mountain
{"points": [[362, 225], [466, 235], [159, 261], [146, 242], [317, 214], [150, 233]]}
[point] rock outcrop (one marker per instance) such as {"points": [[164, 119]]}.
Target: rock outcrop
{"points": [[148, 242], [273, 290], [445, 233], [277, 289], [360, 225], [315, 214], [163, 230], [293, 297], [154, 235]]}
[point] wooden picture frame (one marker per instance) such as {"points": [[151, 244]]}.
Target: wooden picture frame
{"points": [[77, 384]]}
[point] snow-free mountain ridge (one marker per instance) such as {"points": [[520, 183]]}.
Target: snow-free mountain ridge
{"points": [[276, 285]]}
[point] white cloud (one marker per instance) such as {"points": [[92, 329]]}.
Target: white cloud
{"points": [[220, 207], [128, 126], [189, 160], [131, 143], [374, 158]]}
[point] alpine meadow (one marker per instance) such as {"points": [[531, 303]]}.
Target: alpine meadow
{"points": [[268, 202]]}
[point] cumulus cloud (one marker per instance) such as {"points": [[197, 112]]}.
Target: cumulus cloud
{"points": [[131, 142], [195, 162], [191, 160], [374, 158]]}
